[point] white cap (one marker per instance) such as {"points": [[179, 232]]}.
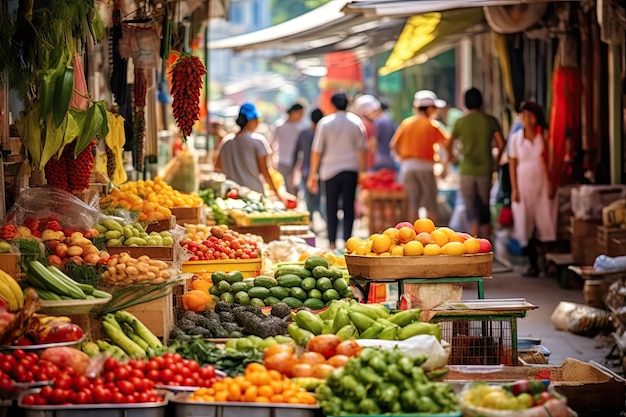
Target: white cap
{"points": [[366, 104], [426, 98]]}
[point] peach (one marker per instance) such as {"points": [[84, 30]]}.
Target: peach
{"points": [[485, 246], [404, 224], [406, 234], [425, 238]]}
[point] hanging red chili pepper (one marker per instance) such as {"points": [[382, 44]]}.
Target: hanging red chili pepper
{"points": [[139, 122], [187, 73], [68, 173]]}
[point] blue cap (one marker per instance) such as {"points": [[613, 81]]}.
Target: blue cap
{"points": [[248, 110]]}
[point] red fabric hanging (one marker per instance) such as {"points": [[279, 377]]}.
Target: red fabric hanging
{"points": [[564, 134]]}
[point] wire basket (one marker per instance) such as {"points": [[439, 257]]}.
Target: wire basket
{"points": [[480, 342]]}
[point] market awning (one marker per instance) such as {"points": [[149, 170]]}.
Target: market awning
{"points": [[325, 25], [430, 33], [381, 8]]}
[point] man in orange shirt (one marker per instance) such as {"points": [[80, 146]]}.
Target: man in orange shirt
{"points": [[413, 144]]}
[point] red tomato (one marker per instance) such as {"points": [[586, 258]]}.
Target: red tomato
{"points": [[207, 372], [152, 365], [110, 364], [137, 383], [153, 375], [119, 398], [122, 373], [6, 366], [28, 400], [149, 384], [19, 354], [63, 382], [80, 382], [102, 395], [109, 376], [59, 396], [190, 382], [83, 398], [143, 397], [166, 376], [40, 400], [137, 364], [130, 399], [125, 387], [46, 391], [137, 373], [178, 379]]}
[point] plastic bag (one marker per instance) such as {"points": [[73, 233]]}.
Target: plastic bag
{"points": [[427, 345], [53, 203], [182, 172], [580, 319]]}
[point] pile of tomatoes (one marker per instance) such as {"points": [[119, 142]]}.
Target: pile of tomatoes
{"points": [[171, 369], [221, 245], [23, 367]]}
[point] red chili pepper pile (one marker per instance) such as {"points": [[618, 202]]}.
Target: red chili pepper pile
{"points": [[187, 73], [68, 173]]}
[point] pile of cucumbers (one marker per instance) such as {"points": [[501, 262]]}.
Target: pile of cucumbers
{"points": [[313, 285]]}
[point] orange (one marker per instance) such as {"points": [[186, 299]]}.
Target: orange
{"points": [[250, 395], [450, 234], [262, 399], [440, 237], [432, 250], [277, 398], [258, 378], [353, 243], [266, 391], [406, 234], [380, 243], [234, 393], [413, 248], [221, 396], [277, 386], [393, 233], [275, 375], [255, 367], [424, 225]]}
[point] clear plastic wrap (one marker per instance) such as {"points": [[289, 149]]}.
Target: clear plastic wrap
{"points": [[182, 172], [48, 203], [555, 407], [423, 344], [580, 319]]}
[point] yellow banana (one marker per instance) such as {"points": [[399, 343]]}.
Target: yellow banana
{"points": [[14, 286], [58, 319], [7, 295]]}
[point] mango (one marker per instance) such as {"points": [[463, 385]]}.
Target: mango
{"points": [[135, 241], [112, 234]]}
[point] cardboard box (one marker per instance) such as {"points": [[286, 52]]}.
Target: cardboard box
{"points": [[589, 200], [187, 215], [162, 225], [591, 389], [10, 263], [157, 315], [611, 241]]}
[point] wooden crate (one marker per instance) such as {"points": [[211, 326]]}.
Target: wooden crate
{"points": [[248, 267], [187, 215], [583, 227], [162, 253], [162, 225], [10, 263], [269, 233], [385, 209], [591, 389], [583, 241], [398, 267], [157, 315], [611, 241]]}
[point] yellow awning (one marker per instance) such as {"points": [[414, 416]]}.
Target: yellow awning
{"points": [[425, 32]]}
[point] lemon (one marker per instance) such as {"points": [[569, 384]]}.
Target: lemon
{"points": [[432, 250], [413, 248]]}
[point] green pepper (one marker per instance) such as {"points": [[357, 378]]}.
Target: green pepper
{"points": [[323, 392], [369, 376], [407, 399], [367, 354], [348, 383], [437, 373], [405, 364], [332, 407], [427, 405], [387, 393], [378, 363], [396, 408], [418, 375], [419, 360], [423, 390], [369, 406], [394, 355], [349, 406], [394, 374]]}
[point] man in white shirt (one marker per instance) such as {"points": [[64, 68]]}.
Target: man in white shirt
{"points": [[338, 157], [284, 140]]}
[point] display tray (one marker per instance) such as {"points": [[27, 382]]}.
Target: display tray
{"points": [[161, 253], [95, 410], [589, 272], [457, 414], [66, 307], [399, 267], [248, 267], [243, 219], [39, 348], [185, 408], [494, 304]]}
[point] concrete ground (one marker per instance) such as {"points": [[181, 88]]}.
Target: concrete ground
{"points": [[543, 292]]}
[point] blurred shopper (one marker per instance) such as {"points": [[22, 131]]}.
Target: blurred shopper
{"points": [[244, 157], [338, 157], [384, 128], [414, 143], [284, 137], [302, 155], [477, 131], [532, 195]]}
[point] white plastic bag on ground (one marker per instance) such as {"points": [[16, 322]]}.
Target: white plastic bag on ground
{"points": [[427, 345]]}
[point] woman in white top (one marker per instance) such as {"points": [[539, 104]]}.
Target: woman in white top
{"points": [[533, 203]]}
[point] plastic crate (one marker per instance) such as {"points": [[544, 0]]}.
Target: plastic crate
{"points": [[249, 268], [476, 340]]}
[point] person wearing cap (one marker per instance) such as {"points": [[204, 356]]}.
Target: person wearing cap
{"points": [[370, 108], [283, 141], [533, 203], [477, 131], [302, 156], [338, 157], [243, 157], [413, 144]]}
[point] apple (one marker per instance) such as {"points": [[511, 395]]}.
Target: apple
{"points": [[485, 246], [404, 224]]}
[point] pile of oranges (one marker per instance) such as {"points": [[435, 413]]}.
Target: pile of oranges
{"points": [[257, 385], [152, 199]]}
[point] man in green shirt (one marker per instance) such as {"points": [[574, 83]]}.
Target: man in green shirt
{"points": [[476, 131]]}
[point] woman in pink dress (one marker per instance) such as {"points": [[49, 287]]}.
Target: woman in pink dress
{"points": [[533, 202]]}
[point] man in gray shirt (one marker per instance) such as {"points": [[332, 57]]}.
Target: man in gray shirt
{"points": [[303, 154], [338, 157], [284, 138]]}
